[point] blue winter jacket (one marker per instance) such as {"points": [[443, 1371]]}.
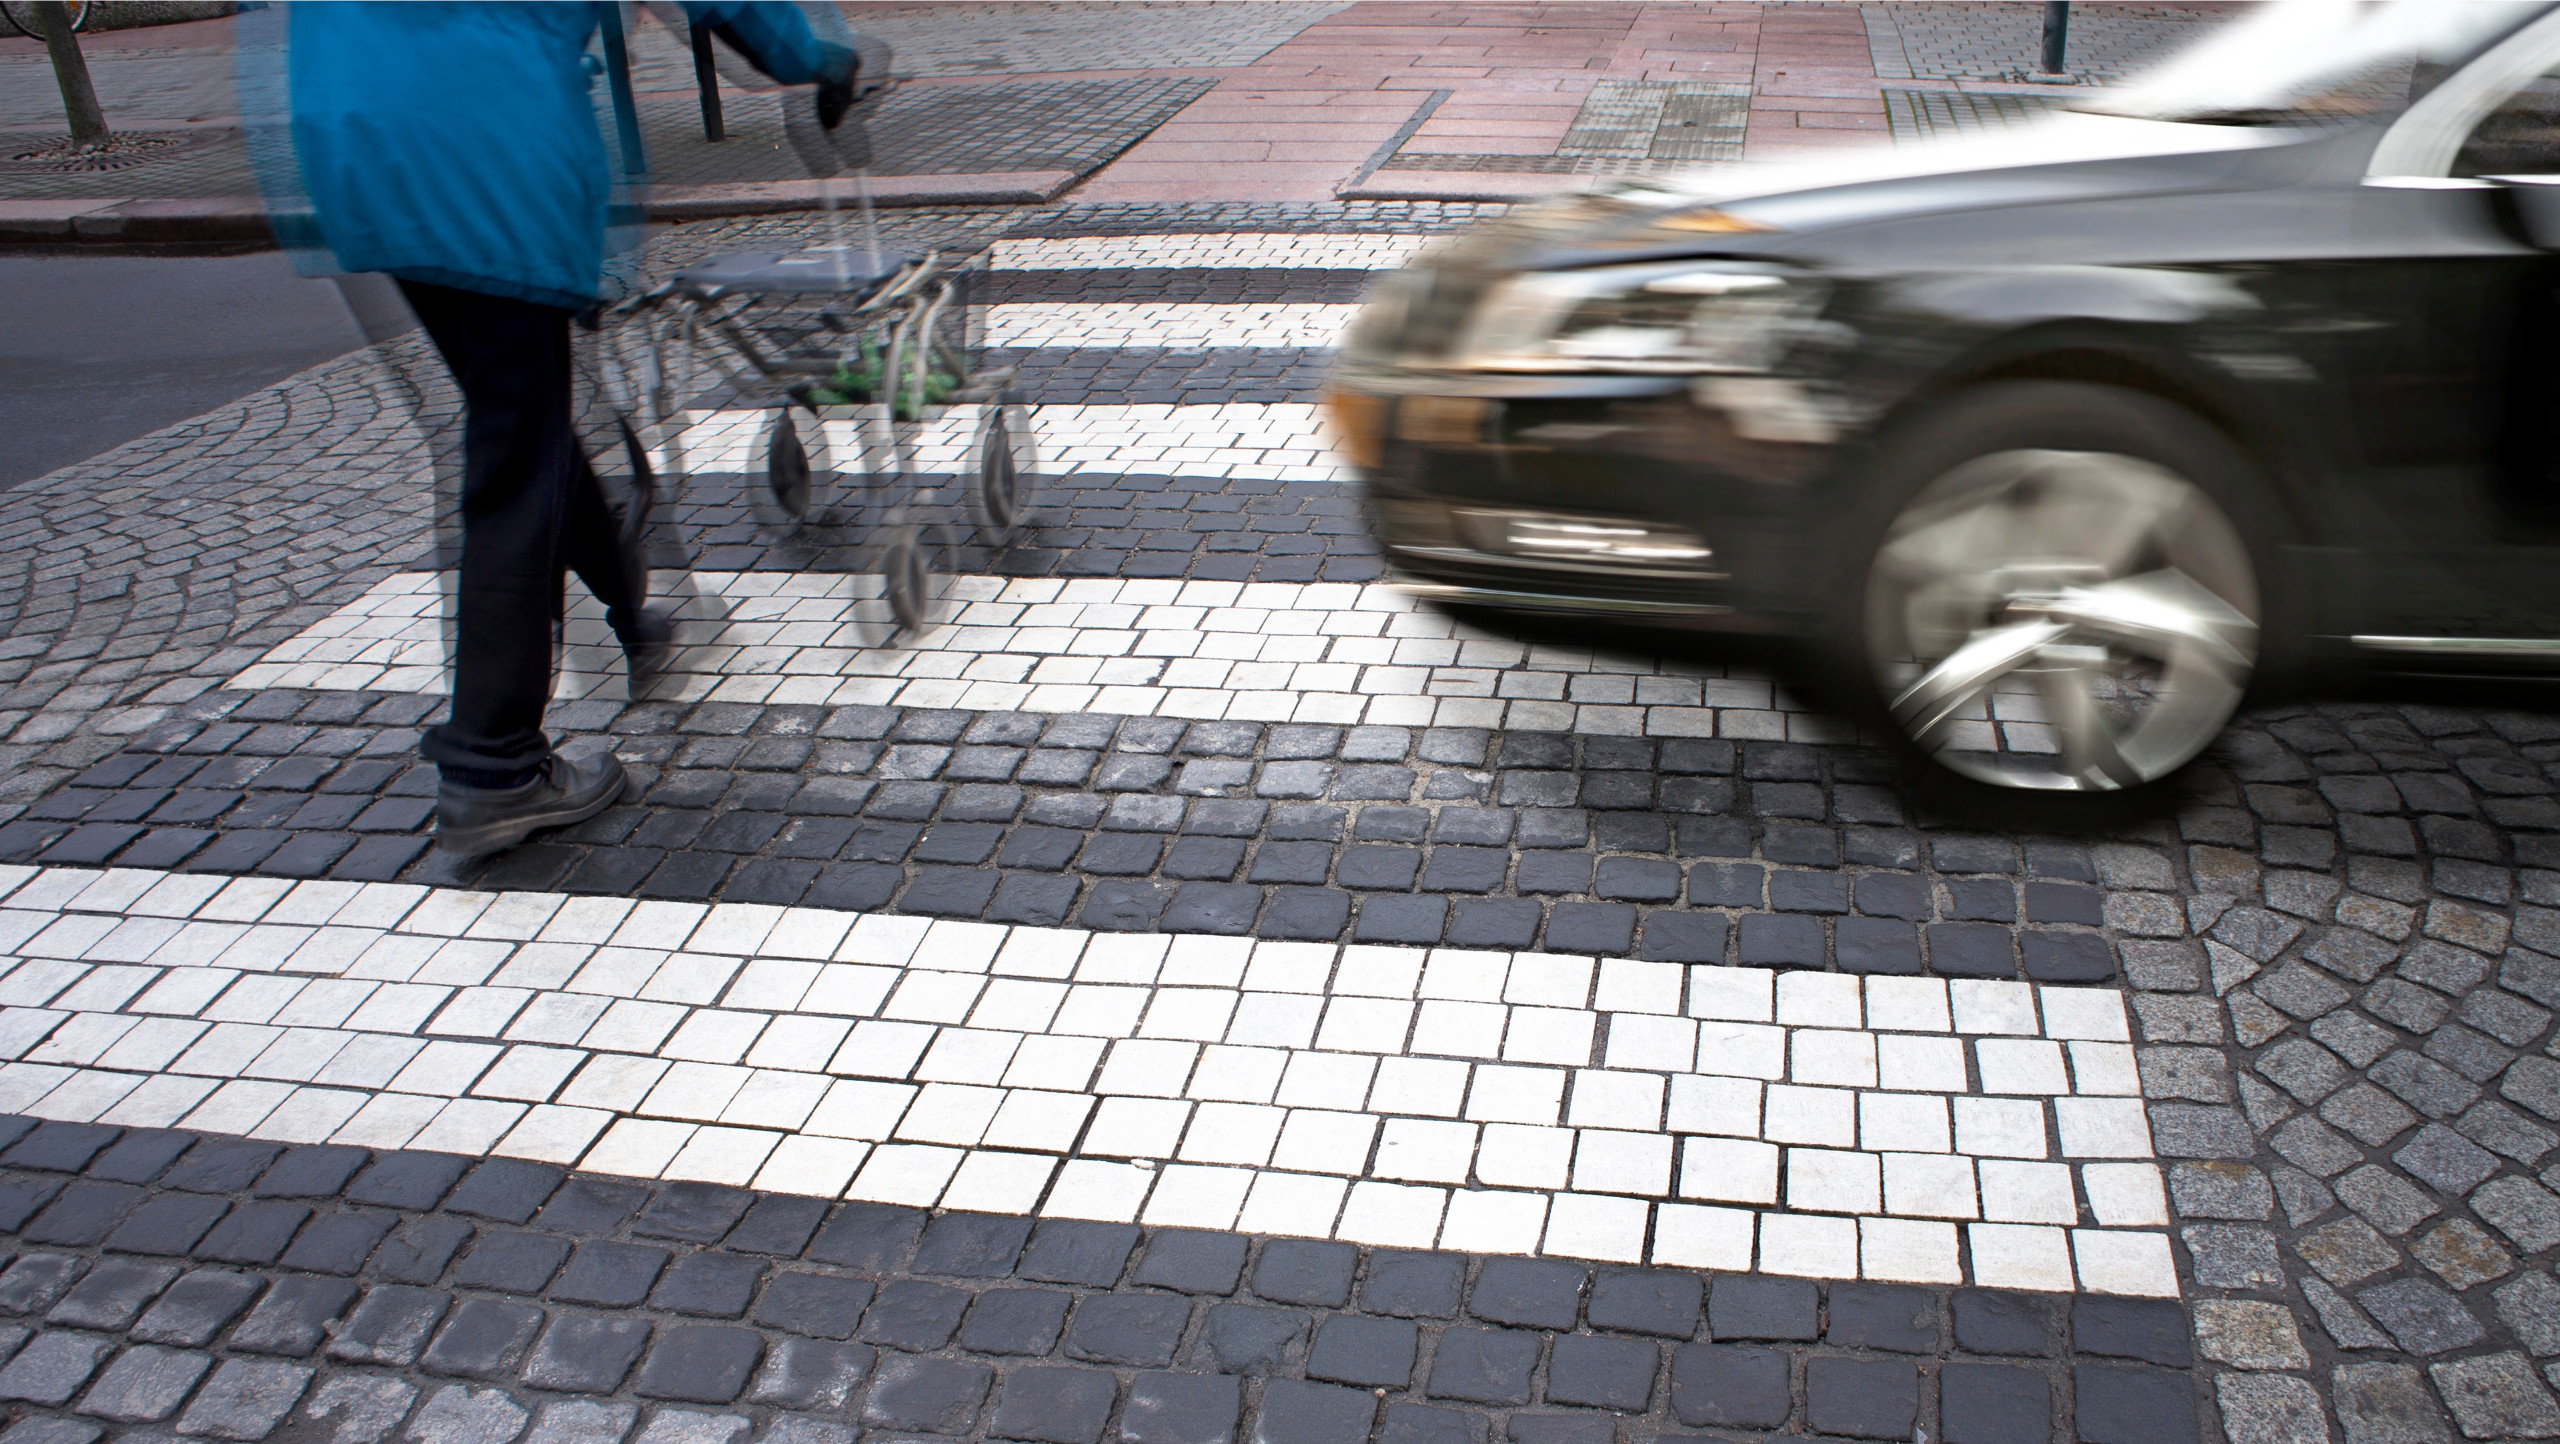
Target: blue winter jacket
{"points": [[457, 143]]}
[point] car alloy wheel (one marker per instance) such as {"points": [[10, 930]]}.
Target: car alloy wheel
{"points": [[2061, 620]]}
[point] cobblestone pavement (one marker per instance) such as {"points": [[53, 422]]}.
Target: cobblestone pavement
{"points": [[244, 1290], [2338, 1008], [1974, 40], [1198, 996]]}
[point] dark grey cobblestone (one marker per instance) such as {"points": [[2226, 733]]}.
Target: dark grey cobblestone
{"points": [[1160, 1341], [2345, 972], [1675, 850], [1213, 529]]}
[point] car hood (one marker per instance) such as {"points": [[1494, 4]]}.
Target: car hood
{"points": [[2065, 157]]}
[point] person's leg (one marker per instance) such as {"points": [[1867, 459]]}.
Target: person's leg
{"points": [[511, 360], [521, 464], [613, 562]]}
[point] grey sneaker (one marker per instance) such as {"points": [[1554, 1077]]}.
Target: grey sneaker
{"points": [[477, 821]]}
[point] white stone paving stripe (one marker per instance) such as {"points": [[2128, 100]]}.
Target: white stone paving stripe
{"points": [[1170, 325], [1815, 1124], [1330, 652], [1265, 441], [1261, 250]]}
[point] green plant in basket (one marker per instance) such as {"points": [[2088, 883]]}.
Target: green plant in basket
{"points": [[857, 380]]}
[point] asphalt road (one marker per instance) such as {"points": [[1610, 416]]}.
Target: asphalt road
{"points": [[97, 350]]}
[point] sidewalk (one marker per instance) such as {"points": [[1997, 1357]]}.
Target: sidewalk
{"points": [[1258, 102]]}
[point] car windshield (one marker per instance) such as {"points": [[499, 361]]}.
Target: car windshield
{"points": [[2309, 62]]}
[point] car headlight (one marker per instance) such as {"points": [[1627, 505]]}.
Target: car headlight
{"points": [[1681, 318]]}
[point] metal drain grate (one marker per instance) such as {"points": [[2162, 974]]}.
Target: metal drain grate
{"points": [[1626, 126], [1923, 114], [123, 150]]}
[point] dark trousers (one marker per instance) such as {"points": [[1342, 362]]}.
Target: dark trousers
{"points": [[532, 510]]}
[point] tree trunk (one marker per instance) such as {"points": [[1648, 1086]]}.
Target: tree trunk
{"points": [[71, 71]]}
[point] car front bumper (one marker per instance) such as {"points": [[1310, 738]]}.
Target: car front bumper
{"points": [[1605, 497]]}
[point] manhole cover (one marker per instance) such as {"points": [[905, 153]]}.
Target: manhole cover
{"points": [[123, 150]]}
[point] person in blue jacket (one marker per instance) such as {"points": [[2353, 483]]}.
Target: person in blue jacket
{"points": [[455, 147]]}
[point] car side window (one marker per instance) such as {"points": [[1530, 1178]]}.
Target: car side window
{"points": [[2520, 137]]}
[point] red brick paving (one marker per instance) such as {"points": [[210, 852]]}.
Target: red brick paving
{"points": [[1302, 121]]}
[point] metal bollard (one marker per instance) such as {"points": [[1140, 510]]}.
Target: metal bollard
{"points": [[2057, 34], [706, 78]]}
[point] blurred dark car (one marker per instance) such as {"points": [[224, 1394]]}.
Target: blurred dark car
{"points": [[2045, 444]]}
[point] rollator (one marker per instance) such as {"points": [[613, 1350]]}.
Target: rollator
{"points": [[869, 364]]}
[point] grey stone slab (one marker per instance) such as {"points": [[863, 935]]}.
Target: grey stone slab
{"points": [[2497, 1396], [145, 1384], [811, 1374], [2346, 1324], [111, 1295], [1729, 1385], [197, 1306], [583, 1421], [359, 1408], [483, 1339], [692, 1426], [2233, 1256], [390, 1325], [2421, 1316], [939, 1396], [586, 1355], [246, 1398], [2386, 1403], [52, 1367], [42, 1429], [2270, 1409], [34, 1281], [2387, 1201]]}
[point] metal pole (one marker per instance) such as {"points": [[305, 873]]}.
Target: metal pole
{"points": [[707, 80], [626, 111], [71, 72], [2057, 34]]}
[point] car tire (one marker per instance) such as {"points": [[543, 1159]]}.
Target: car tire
{"points": [[2053, 588]]}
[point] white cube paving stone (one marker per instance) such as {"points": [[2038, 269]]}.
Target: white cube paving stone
{"points": [[1818, 1124], [1729, 1170], [2015, 1256], [2113, 1261], [1930, 1185], [1809, 1245], [2125, 1195], [1689, 1236], [2018, 1192], [1742, 1050], [1908, 1251]]}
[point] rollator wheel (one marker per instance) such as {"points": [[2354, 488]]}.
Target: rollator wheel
{"points": [[1005, 482], [643, 500], [786, 466], [912, 563]]}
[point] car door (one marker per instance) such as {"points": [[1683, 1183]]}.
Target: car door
{"points": [[2454, 290]]}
